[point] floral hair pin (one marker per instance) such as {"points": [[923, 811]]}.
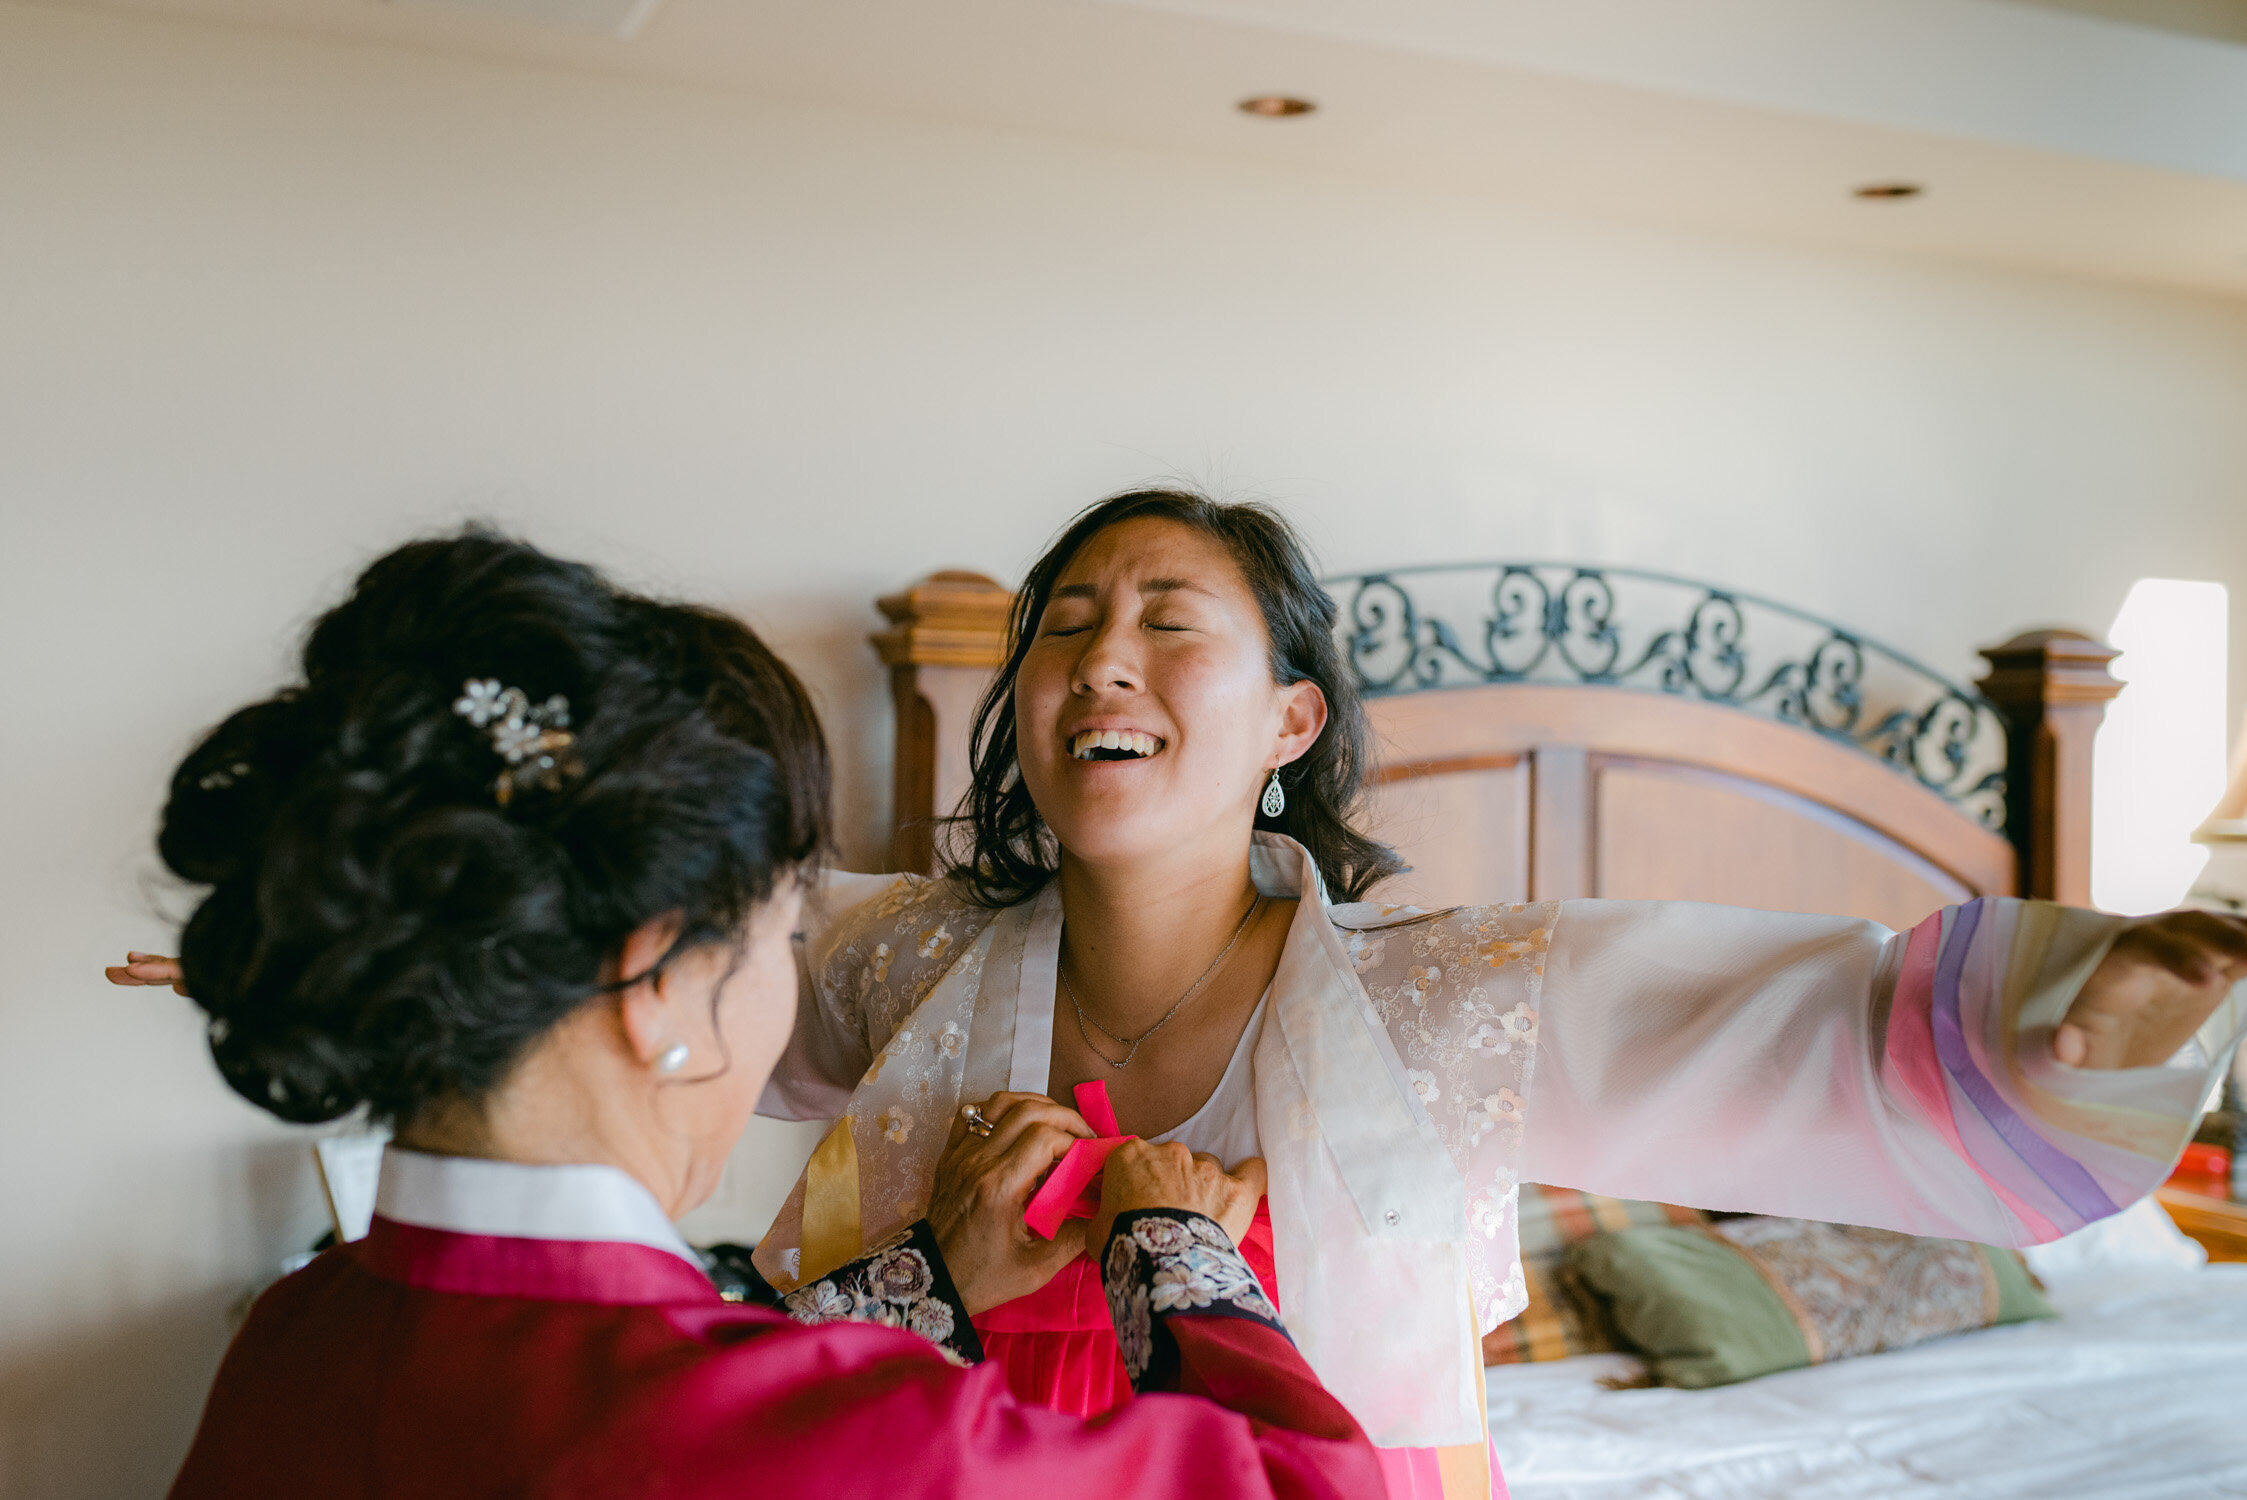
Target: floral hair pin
{"points": [[534, 741]]}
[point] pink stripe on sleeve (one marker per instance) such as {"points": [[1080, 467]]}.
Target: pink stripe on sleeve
{"points": [[1915, 1066], [1911, 1034]]}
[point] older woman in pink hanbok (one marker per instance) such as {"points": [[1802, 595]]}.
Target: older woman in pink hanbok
{"points": [[1160, 890]]}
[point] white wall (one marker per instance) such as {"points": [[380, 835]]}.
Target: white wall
{"points": [[267, 307]]}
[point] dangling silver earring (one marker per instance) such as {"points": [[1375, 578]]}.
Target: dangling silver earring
{"points": [[673, 1059], [1275, 800]]}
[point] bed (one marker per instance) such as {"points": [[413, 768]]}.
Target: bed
{"points": [[1555, 730], [2130, 1394]]}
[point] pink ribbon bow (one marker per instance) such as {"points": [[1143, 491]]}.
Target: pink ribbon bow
{"points": [[1072, 1189]]}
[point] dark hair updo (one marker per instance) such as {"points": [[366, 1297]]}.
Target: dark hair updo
{"points": [[1009, 854], [380, 930]]}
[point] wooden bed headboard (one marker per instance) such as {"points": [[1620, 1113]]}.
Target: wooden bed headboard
{"points": [[1553, 730]]}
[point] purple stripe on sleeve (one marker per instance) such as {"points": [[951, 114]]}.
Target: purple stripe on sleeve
{"points": [[2062, 1173]]}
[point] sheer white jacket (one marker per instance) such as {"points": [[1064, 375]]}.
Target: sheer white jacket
{"points": [[1415, 1067]]}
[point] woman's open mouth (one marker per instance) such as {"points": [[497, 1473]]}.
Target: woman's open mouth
{"points": [[1114, 744]]}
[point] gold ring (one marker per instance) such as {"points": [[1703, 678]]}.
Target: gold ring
{"points": [[976, 1124]]}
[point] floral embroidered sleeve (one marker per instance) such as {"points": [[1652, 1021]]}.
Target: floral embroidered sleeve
{"points": [[901, 1284], [1229, 1411], [1166, 1262]]}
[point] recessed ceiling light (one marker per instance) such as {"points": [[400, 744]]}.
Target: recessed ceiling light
{"points": [[1276, 106], [1891, 190]]}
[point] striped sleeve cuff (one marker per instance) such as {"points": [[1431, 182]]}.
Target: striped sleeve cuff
{"points": [[1981, 989]]}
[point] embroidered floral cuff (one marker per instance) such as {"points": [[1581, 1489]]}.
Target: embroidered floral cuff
{"points": [[1162, 1261], [901, 1283]]}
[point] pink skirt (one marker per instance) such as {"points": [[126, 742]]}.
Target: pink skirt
{"points": [[1057, 1348]]}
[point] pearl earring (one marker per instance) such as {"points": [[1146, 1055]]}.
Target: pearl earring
{"points": [[1275, 800], [673, 1059]]}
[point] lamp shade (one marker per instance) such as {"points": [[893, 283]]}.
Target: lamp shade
{"points": [[2229, 819], [2223, 881]]}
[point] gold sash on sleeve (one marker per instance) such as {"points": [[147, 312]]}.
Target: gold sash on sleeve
{"points": [[830, 1233]]}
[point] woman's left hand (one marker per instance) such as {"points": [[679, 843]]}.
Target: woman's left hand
{"points": [[147, 968], [2155, 987]]}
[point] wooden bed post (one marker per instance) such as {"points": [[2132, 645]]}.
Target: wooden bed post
{"points": [[2052, 686], [947, 634]]}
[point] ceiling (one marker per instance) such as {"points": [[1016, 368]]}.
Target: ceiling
{"points": [[2046, 137], [2225, 20]]}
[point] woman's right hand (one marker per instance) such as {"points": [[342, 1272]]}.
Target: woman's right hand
{"points": [[147, 968], [1141, 1174], [983, 1188]]}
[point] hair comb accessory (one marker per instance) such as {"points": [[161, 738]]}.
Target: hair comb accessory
{"points": [[534, 741], [224, 777]]}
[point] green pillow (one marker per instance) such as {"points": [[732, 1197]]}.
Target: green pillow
{"points": [[1712, 1304], [1560, 1322]]}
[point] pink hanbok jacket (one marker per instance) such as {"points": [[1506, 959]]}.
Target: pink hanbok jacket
{"points": [[543, 1331]]}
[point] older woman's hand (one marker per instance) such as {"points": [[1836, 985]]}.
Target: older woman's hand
{"points": [[2152, 991], [983, 1187], [1141, 1174]]}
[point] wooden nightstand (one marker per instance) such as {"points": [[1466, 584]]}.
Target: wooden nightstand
{"points": [[2219, 1224]]}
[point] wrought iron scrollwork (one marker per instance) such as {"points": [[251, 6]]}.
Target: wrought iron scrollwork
{"points": [[1562, 622]]}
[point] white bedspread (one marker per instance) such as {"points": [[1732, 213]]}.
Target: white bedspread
{"points": [[2138, 1391]]}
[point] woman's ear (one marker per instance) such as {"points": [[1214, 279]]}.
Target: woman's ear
{"points": [[645, 1006], [1302, 719]]}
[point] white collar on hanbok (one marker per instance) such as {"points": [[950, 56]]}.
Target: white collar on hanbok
{"points": [[513, 1200]]}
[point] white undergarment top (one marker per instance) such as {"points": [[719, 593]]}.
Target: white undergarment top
{"points": [[1225, 1125]]}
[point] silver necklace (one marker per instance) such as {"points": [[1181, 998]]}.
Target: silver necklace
{"points": [[1134, 1043]]}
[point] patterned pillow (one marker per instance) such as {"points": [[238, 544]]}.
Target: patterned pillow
{"points": [[1562, 1318], [1715, 1303]]}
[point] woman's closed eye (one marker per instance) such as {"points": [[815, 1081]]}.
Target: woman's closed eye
{"points": [[1059, 630], [1067, 617]]}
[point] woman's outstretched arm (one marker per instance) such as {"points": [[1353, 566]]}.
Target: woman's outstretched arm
{"points": [[827, 1050], [2001, 1073], [869, 949]]}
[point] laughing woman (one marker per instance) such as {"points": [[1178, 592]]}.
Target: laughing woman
{"points": [[1161, 891]]}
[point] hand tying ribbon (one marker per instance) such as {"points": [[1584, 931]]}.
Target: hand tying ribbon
{"points": [[1072, 1189]]}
